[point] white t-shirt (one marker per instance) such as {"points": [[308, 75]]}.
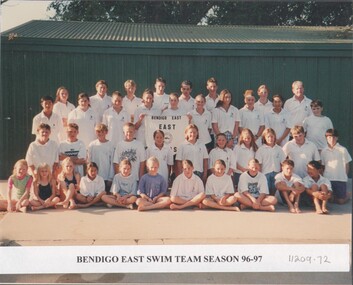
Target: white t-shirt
{"points": [[298, 110], [63, 111], [115, 122], [308, 182], [335, 160], [90, 187], [195, 152], [211, 103], [99, 104], [131, 105], [86, 121], [204, 124], [187, 188], [160, 102], [42, 153], [124, 185], [270, 158], [55, 122], [301, 155], [77, 149], [219, 186], [226, 119], [133, 151], [254, 185], [294, 178], [279, 122], [315, 128], [186, 105], [102, 154], [164, 156]]}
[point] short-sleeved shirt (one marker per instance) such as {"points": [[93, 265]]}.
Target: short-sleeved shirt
{"points": [[21, 184], [164, 156], [219, 186], [294, 178], [124, 185], [115, 122], [242, 156], [254, 185], [133, 151], [270, 158], [55, 122], [315, 128], [335, 160], [226, 119], [301, 155], [152, 185], [187, 188], [99, 104], [74, 149], [131, 105], [298, 110], [263, 108], [90, 187], [204, 123], [279, 122], [195, 152], [308, 182], [86, 121], [211, 103], [102, 154], [63, 111], [251, 119], [160, 102], [186, 105], [42, 153], [226, 154]]}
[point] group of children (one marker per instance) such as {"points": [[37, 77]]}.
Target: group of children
{"points": [[230, 160]]}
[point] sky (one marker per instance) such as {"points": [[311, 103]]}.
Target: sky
{"points": [[14, 13]]}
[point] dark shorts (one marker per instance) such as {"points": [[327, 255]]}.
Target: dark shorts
{"points": [[236, 177], [199, 174], [339, 189]]}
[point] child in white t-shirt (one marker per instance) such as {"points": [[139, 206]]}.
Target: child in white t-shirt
{"points": [[220, 189], [187, 189]]}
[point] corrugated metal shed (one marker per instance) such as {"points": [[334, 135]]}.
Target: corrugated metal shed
{"points": [[39, 56]]}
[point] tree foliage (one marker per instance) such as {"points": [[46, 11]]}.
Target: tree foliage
{"points": [[308, 13]]}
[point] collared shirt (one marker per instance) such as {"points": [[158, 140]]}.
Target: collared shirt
{"points": [[298, 110], [226, 154], [226, 119], [293, 179], [160, 102], [263, 108], [279, 122], [115, 122], [131, 105], [90, 187], [99, 104], [270, 158], [308, 182], [203, 123], [186, 105], [55, 123], [195, 152], [187, 188]]}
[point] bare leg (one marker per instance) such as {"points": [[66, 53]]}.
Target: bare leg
{"points": [[161, 203], [179, 203], [111, 200], [213, 204]]}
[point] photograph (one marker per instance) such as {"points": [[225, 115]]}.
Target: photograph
{"points": [[176, 142]]}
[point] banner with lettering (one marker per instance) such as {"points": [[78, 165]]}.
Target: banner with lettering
{"points": [[172, 126]]}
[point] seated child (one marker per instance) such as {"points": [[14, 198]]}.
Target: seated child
{"points": [[253, 189], [187, 189], [152, 188], [124, 188], [69, 182], [92, 187], [19, 185], [220, 189], [318, 187], [290, 186], [44, 189]]}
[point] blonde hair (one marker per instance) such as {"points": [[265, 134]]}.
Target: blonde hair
{"points": [[189, 127], [131, 82], [18, 163], [101, 127], [266, 132], [152, 160], [44, 166]]}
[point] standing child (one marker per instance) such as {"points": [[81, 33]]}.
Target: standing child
{"points": [[152, 188], [145, 109], [44, 189], [336, 159], [290, 186], [47, 116], [318, 187], [101, 151], [91, 187], [42, 150], [220, 189], [69, 182], [211, 101], [160, 98], [270, 156], [203, 120], [86, 119], [173, 109], [221, 151], [130, 101], [101, 101], [131, 149], [186, 102], [244, 151], [253, 189], [187, 189], [19, 185], [315, 125], [124, 188], [193, 150], [251, 118], [62, 107], [279, 120], [115, 118], [163, 153], [263, 104]]}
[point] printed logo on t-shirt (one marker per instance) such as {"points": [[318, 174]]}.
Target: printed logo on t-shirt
{"points": [[129, 154], [254, 189]]}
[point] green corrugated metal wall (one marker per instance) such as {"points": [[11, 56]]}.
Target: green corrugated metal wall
{"points": [[29, 72]]}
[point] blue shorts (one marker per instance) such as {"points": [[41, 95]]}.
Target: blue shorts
{"points": [[271, 182], [339, 189]]}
